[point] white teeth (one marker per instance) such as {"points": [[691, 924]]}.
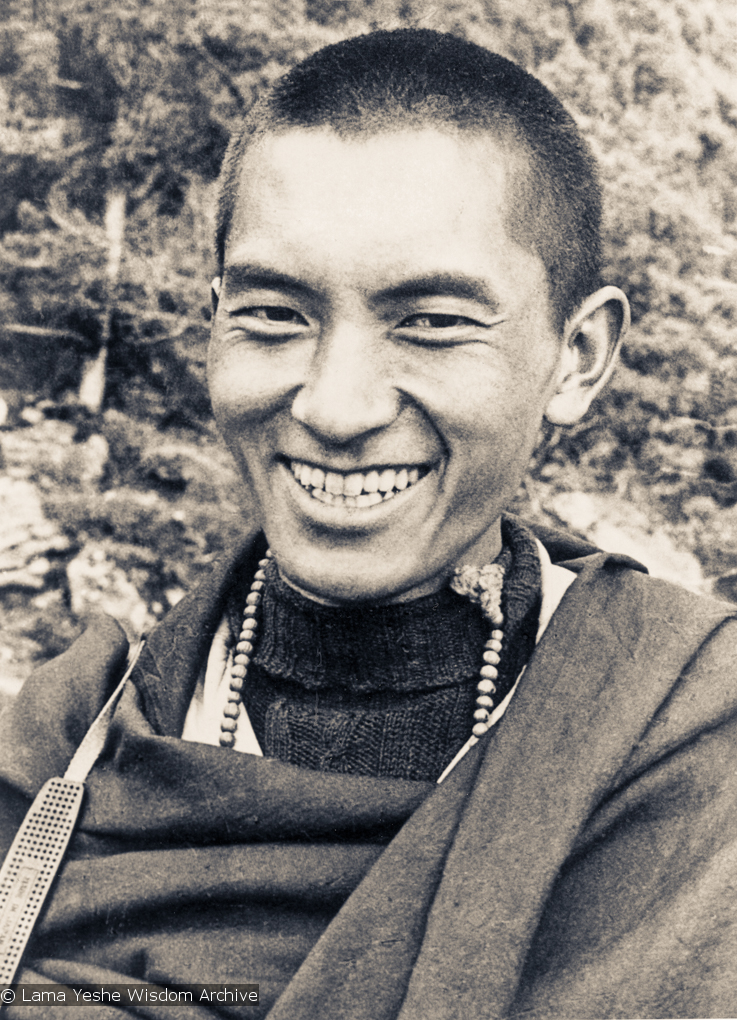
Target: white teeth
{"points": [[353, 485], [387, 480], [371, 482], [334, 483], [355, 489]]}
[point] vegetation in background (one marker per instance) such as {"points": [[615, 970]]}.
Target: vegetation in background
{"points": [[123, 109]]}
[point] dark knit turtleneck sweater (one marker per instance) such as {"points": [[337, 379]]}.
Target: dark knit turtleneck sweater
{"points": [[382, 690]]}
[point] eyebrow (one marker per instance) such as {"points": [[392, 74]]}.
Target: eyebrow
{"points": [[244, 275], [458, 285]]}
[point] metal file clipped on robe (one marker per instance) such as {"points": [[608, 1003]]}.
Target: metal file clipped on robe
{"points": [[37, 851]]}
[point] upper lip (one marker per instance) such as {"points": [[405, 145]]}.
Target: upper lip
{"points": [[348, 469]]}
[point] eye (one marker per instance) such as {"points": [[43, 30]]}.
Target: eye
{"points": [[436, 320], [441, 329], [275, 313]]}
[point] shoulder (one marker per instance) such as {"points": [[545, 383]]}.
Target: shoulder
{"points": [[41, 729], [662, 658], [43, 726], [632, 591]]}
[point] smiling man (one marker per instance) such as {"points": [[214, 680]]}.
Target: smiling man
{"points": [[384, 350], [401, 756]]}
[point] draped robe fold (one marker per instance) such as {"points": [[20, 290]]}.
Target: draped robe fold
{"points": [[581, 861]]}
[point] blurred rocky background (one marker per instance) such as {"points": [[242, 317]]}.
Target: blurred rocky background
{"points": [[114, 116]]}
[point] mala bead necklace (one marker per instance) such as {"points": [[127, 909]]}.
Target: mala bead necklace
{"points": [[484, 587], [481, 585], [242, 655]]}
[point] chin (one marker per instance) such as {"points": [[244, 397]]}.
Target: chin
{"points": [[350, 583]]}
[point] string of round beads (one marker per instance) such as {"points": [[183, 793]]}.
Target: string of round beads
{"points": [[483, 586], [242, 656], [489, 673]]}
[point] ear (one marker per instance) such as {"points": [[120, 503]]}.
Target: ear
{"points": [[591, 339], [215, 293]]}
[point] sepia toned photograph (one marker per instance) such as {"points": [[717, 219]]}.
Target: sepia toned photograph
{"points": [[368, 510]]}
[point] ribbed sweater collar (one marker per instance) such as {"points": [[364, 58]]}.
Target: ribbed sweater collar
{"points": [[427, 643]]}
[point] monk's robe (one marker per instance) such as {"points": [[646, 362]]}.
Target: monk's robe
{"points": [[580, 861]]}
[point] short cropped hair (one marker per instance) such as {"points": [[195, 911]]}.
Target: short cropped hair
{"points": [[414, 78]]}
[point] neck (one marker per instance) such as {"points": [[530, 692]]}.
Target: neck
{"points": [[416, 592], [481, 552]]}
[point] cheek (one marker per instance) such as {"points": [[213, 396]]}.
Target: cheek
{"points": [[219, 379], [493, 426], [243, 384]]}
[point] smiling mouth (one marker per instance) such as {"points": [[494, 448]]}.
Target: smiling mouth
{"points": [[355, 489]]}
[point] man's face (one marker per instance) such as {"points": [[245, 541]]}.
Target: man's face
{"points": [[382, 355]]}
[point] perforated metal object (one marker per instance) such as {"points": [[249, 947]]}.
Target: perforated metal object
{"points": [[31, 864], [37, 851]]}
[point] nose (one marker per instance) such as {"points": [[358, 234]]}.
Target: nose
{"points": [[347, 393]]}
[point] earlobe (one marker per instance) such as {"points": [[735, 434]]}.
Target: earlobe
{"points": [[592, 338], [215, 293]]}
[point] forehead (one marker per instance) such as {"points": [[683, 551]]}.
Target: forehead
{"points": [[380, 189], [369, 161]]}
